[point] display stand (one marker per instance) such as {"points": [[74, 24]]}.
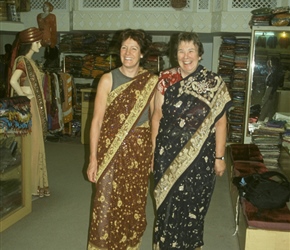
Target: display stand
{"points": [[250, 237], [16, 201]]}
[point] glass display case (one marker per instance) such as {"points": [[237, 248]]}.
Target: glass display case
{"points": [[269, 76], [15, 194]]}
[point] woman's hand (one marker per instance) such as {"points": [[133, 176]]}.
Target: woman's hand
{"points": [[92, 171], [219, 167]]}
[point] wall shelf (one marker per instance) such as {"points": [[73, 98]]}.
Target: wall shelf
{"points": [[11, 26]]}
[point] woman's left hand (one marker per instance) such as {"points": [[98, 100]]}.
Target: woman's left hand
{"points": [[219, 167]]}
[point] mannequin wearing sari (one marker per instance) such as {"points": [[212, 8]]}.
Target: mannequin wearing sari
{"points": [[121, 149], [26, 80], [274, 80], [47, 24], [190, 123]]}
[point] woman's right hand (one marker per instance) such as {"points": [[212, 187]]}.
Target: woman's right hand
{"points": [[92, 171]]}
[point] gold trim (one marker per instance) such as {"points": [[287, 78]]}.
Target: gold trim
{"points": [[91, 247], [193, 146], [127, 125]]}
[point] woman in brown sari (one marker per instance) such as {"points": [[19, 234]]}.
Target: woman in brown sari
{"points": [[190, 119], [26, 80], [121, 148]]}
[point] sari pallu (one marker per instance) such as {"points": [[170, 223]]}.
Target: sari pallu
{"points": [[124, 158], [34, 81], [184, 158], [31, 82]]}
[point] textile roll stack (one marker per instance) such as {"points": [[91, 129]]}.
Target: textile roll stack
{"points": [[268, 138], [15, 116], [3, 11], [233, 69]]}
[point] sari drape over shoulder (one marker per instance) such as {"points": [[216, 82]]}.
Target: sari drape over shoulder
{"points": [[124, 159], [31, 83], [184, 156], [48, 26]]}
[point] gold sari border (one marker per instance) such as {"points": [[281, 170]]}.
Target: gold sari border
{"points": [[130, 121], [191, 150]]}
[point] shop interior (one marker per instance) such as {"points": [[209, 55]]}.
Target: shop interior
{"points": [[252, 54]]}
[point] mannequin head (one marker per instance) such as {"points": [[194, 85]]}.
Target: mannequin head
{"points": [[30, 35], [27, 38], [274, 63], [47, 7]]}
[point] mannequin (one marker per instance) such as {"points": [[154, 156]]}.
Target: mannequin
{"points": [[47, 24], [274, 80], [26, 80]]}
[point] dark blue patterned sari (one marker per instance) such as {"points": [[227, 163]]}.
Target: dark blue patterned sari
{"points": [[184, 158]]}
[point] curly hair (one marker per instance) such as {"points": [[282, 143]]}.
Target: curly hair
{"points": [[138, 35]]}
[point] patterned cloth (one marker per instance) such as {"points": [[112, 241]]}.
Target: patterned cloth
{"points": [[15, 115], [48, 26], [184, 157], [31, 79], [124, 159]]}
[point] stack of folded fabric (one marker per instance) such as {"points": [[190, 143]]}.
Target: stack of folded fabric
{"points": [[261, 17], [268, 138], [90, 65], [284, 117], [15, 115], [233, 66], [238, 88], [286, 139], [225, 70], [278, 16], [227, 59], [154, 63], [97, 43], [281, 16]]}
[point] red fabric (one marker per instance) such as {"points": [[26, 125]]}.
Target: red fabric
{"points": [[243, 168], [274, 219], [245, 152], [247, 160], [167, 78]]}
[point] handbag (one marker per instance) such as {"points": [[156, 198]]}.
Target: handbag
{"points": [[268, 190]]}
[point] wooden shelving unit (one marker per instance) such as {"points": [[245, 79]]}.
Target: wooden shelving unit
{"points": [[16, 200]]}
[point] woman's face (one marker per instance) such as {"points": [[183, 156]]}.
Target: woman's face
{"points": [[36, 46], [130, 53], [187, 57]]}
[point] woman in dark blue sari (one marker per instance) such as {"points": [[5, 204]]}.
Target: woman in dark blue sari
{"points": [[189, 123]]}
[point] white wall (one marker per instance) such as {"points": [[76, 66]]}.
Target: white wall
{"points": [[207, 56]]}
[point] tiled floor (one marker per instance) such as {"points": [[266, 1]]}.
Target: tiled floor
{"points": [[219, 224], [60, 222]]}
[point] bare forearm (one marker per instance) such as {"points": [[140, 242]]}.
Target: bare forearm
{"points": [[14, 82], [94, 138], [154, 130], [221, 136]]}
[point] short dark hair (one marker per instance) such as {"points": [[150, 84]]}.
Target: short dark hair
{"points": [[190, 37]]}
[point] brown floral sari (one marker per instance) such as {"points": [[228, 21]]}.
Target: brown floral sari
{"points": [[184, 157], [124, 158]]}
